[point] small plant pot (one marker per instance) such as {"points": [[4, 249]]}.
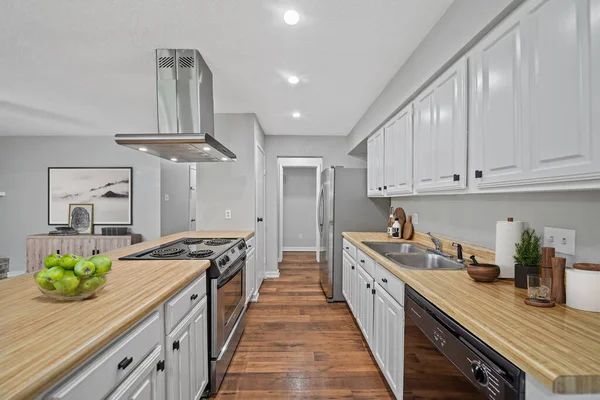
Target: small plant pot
{"points": [[521, 272]]}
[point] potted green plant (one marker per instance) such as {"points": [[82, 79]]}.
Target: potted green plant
{"points": [[527, 257]]}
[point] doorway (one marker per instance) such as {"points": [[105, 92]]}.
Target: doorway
{"points": [[299, 182], [192, 199], [261, 243]]}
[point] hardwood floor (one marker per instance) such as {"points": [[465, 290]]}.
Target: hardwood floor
{"points": [[298, 346]]}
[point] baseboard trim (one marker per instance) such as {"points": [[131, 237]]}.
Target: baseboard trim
{"points": [[314, 249], [271, 274], [254, 298]]}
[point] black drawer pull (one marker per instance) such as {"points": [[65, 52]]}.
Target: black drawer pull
{"points": [[347, 248], [362, 261], [57, 251], [478, 174], [194, 297], [368, 285], [176, 345], [353, 267], [125, 362], [160, 366], [383, 280]]}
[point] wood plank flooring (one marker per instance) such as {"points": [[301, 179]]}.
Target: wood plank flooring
{"points": [[298, 346]]}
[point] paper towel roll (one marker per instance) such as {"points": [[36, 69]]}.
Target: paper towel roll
{"points": [[508, 233], [583, 289]]}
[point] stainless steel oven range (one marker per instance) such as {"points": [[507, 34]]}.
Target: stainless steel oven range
{"points": [[226, 293]]}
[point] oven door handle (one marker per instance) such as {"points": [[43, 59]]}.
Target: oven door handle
{"points": [[231, 272]]}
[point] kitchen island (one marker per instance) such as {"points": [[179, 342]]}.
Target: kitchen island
{"points": [[42, 340], [559, 347]]}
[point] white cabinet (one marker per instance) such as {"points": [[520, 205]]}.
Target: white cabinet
{"points": [[440, 133], [375, 162], [347, 274], [535, 123], [364, 303], [388, 338], [250, 275], [146, 382], [187, 356], [398, 154]]}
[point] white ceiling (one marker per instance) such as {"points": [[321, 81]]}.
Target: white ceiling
{"points": [[87, 67]]}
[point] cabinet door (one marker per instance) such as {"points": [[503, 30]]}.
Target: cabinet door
{"points": [[199, 344], [497, 134], [379, 327], [71, 246], [424, 140], [558, 104], [394, 344], [250, 275], [88, 246], [365, 286], [37, 250], [145, 382], [107, 243], [359, 298], [375, 160], [346, 271], [398, 155]]}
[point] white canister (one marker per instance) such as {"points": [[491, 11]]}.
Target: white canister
{"points": [[583, 289]]}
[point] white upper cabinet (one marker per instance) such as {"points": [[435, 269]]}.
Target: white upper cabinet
{"points": [[440, 133], [375, 162], [398, 171], [535, 118]]}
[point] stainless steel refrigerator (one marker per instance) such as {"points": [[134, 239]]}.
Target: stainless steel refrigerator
{"points": [[344, 207]]}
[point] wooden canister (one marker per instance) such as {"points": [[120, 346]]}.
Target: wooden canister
{"points": [[558, 293], [547, 254]]}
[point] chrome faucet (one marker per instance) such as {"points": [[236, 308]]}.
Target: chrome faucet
{"points": [[437, 242]]}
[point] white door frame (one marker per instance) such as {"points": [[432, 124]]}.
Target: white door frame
{"points": [[297, 162], [261, 263]]}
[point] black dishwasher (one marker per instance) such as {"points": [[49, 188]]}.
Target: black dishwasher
{"points": [[442, 360]]}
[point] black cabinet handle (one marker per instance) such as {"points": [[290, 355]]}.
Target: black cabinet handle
{"points": [[57, 251], [347, 248], [353, 267], [160, 366], [368, 285], [456, 177], [385, 187], [125, 362], [259, 219], [478, 174], [362, 261], [194, 297], [379, 188], [383, 280], [176, 345]]}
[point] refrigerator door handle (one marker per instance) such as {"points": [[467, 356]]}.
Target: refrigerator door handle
{"points": [[321, 212]]}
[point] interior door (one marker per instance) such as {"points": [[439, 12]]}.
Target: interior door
{"points": [[260, 259], [193, 196]]}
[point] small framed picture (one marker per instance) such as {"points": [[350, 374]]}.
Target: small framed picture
{"points": [[81, 217]]}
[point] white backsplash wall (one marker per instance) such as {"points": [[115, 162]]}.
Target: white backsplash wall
{"points": [[299, 208], [472, 218]]}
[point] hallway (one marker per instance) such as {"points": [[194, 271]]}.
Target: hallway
{"points": [[299, 346]]}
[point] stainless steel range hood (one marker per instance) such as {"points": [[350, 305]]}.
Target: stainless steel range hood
{"points": [[185, 112]]}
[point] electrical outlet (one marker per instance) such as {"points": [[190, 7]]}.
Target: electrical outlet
{"points": [[166, 197], [299, 236], [563, 240], [415, 219], [227, 214], [2, 194]]}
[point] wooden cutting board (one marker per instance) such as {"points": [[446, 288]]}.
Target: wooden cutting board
{"points": [[401, 215], [408, 229]]}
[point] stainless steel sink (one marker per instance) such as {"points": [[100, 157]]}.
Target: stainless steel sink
{"points": [[424, 261], [389, 247]]}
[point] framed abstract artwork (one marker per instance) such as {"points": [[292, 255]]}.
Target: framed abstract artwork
{"points": [[108, 189], [81, 218]]}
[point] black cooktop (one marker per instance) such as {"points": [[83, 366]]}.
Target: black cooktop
{"points": [[189, 249]]}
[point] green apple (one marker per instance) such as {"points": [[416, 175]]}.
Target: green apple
{"points": [[84, 268], [53, 260], [90, 284], [68, 283], [103, 264], [68, 261], [55, 274], [42, 280]]}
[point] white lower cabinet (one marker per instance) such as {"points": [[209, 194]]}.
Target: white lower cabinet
{"points": [[364, 295], [347, 274], [187, 356], [250, 275], [146, 382]]}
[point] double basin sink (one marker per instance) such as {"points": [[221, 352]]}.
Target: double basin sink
{"points": [[413, 256]]}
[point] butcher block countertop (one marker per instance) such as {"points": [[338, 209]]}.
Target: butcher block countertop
{"points": [[42, 340], [559, 346]]}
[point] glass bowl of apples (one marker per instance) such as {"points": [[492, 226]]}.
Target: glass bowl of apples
{"points": [[70, 278]]}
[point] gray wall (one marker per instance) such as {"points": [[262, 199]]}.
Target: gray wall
{"points": [[473, 217], [462, 22], [174, 182], [299, 208], [333, 151], [24, 163], [230, 185]]}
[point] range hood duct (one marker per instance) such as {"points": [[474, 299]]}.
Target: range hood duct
{"points": [[185, 112]]}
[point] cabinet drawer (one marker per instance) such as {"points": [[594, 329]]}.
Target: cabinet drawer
{"points": [[183, 301], [100, 375], [349, 248], [365, 262], [251, 243], [389, 281]]}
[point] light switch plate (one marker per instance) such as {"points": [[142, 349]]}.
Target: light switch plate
{"points": [[2, 194], [166, 197], [227, 214], [563, 240], [415, 219]]}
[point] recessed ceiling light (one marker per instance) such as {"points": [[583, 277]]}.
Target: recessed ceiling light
{"points": [[224, 158], [143, 149], [296, 114], [293, 80], [173, 159], [291, 17], [206, 149]]}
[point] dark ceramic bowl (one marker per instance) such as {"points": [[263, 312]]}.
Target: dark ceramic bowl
{"points": [[483, 272]]}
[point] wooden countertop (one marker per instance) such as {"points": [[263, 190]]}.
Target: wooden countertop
{"points": [[559, 346], [42, 340]]}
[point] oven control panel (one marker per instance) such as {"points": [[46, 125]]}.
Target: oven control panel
{"points": [[231, 255]]}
